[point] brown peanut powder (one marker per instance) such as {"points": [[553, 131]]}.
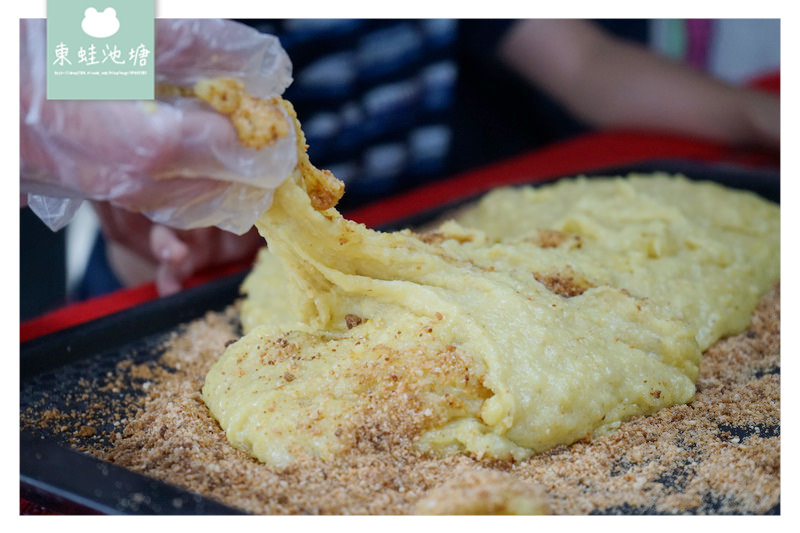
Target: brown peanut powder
{"points": [[718, 455]]}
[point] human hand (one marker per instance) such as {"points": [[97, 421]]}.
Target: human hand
{"points": [[763, 116], [175, 160], [140, 250]]}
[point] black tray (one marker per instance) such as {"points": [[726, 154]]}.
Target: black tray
{"points": [[59, 477]]}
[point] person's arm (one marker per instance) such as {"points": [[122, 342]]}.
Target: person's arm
{"points": [[607, 82]]}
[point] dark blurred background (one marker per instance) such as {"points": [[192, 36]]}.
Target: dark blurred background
{"points": [[389, 104]]}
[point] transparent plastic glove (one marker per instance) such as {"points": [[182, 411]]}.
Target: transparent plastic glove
{"points": [[141, 251], [175, 160]]}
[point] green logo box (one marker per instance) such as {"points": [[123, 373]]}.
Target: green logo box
{"points": [[100, 49]]}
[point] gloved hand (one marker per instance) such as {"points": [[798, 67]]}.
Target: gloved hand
{"points": [[175, 159], [139, 251]]}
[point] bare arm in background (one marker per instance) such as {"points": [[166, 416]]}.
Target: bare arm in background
{"points": [[607, 82]]}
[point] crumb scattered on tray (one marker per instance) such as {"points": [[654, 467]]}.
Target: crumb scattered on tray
{"points": [[718, 455]]}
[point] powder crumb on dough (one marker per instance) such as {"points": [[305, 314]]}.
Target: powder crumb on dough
{"points": [[483, 492], [718, 455]]}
